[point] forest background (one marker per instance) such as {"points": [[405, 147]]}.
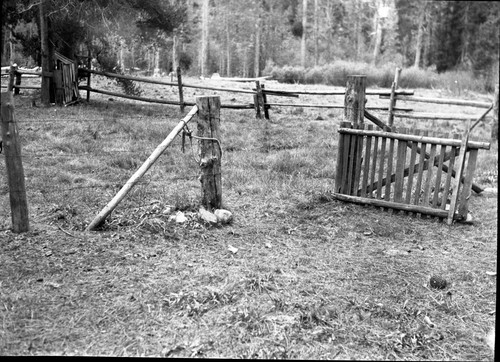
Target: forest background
{"points": [[443, 44]]}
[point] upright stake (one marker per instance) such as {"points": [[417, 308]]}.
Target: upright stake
{"points": [[179, 84], [12, 77], [258, 100], [210, 151], [264, 103], [89, 65], [354, 113], [18, 82], [14, 166], [494, 125], [392, 102]]}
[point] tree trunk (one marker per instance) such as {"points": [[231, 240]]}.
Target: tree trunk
{"points": [[316, 33], [156, 71], [420, 35], [256, 64], [204, 39], [228, 48], [304, 27], [122, 56], [47, 61], [378, 35]]}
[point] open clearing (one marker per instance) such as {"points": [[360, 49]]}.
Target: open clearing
{"points": [[312, 278]]}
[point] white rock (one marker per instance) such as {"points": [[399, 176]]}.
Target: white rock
{"points": [[223, 216], [207, 216], [179, 217]]}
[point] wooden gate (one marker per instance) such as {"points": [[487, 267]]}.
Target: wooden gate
{"points": [[66, 80], [404, 170]]}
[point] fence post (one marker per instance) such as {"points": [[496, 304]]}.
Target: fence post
{"points": [[179, 84], [258, 100], [12, 77], [14, 165], [264, 103], [494, 125], [392, 102], [89, 66], [210, 151], [354, 113]]}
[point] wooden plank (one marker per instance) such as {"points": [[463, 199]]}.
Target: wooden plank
{"points": [[340, 159], [408, 137], [374, 167], [463, 207], [411, 166], [14, 165], [345, 163], [392, 205], [333, 106], [381, 167], [390, 160], [457, 102], [352, 164], [367, 160], [453, 154], [358, 161], [441, 116], [147, 80], [418, 185], [439, 172], [400, 168], [427, 185], [458, 178], [377, 121]]}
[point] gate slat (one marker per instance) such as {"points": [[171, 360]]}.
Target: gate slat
{"points": [[358, 160], [381, 166], [411, 171], [400, 168], [430, 169], [390, 160], [339, 178], [446, 193], [439, 172], [367, 161], [345, 163], [351, 164], [374, 167], [418, 186]]}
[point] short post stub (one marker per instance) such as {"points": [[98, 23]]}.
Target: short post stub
{"points": [[210, 151], [14, 165], [179, 84], [12, 77], [354, 101], [258, 100]]}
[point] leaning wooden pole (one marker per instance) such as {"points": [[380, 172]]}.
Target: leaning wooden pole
{"points": [[179, 84], [141, 171], [14, 165], [210, 151]]}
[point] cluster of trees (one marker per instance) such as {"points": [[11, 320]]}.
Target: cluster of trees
{"points": [[241, 38]]}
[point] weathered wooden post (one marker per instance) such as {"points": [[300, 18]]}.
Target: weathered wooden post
{"points": [[14, 165], [258, 100], [12, 77], [18, 82], [354, 113], [264, 102], [58, 82], [179, 84], [392, 102], [210, 151], [494, 125], [89, 67]]}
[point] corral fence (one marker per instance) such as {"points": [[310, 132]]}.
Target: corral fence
{"points": [[350, 158]]}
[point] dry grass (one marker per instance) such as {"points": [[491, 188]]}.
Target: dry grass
{"points": [[312, 277]]}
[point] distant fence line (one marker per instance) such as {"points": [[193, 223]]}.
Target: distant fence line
{"points": [[260, 93]]}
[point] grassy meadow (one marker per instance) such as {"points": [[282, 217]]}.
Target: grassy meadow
{"points": [[296, 274]]}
